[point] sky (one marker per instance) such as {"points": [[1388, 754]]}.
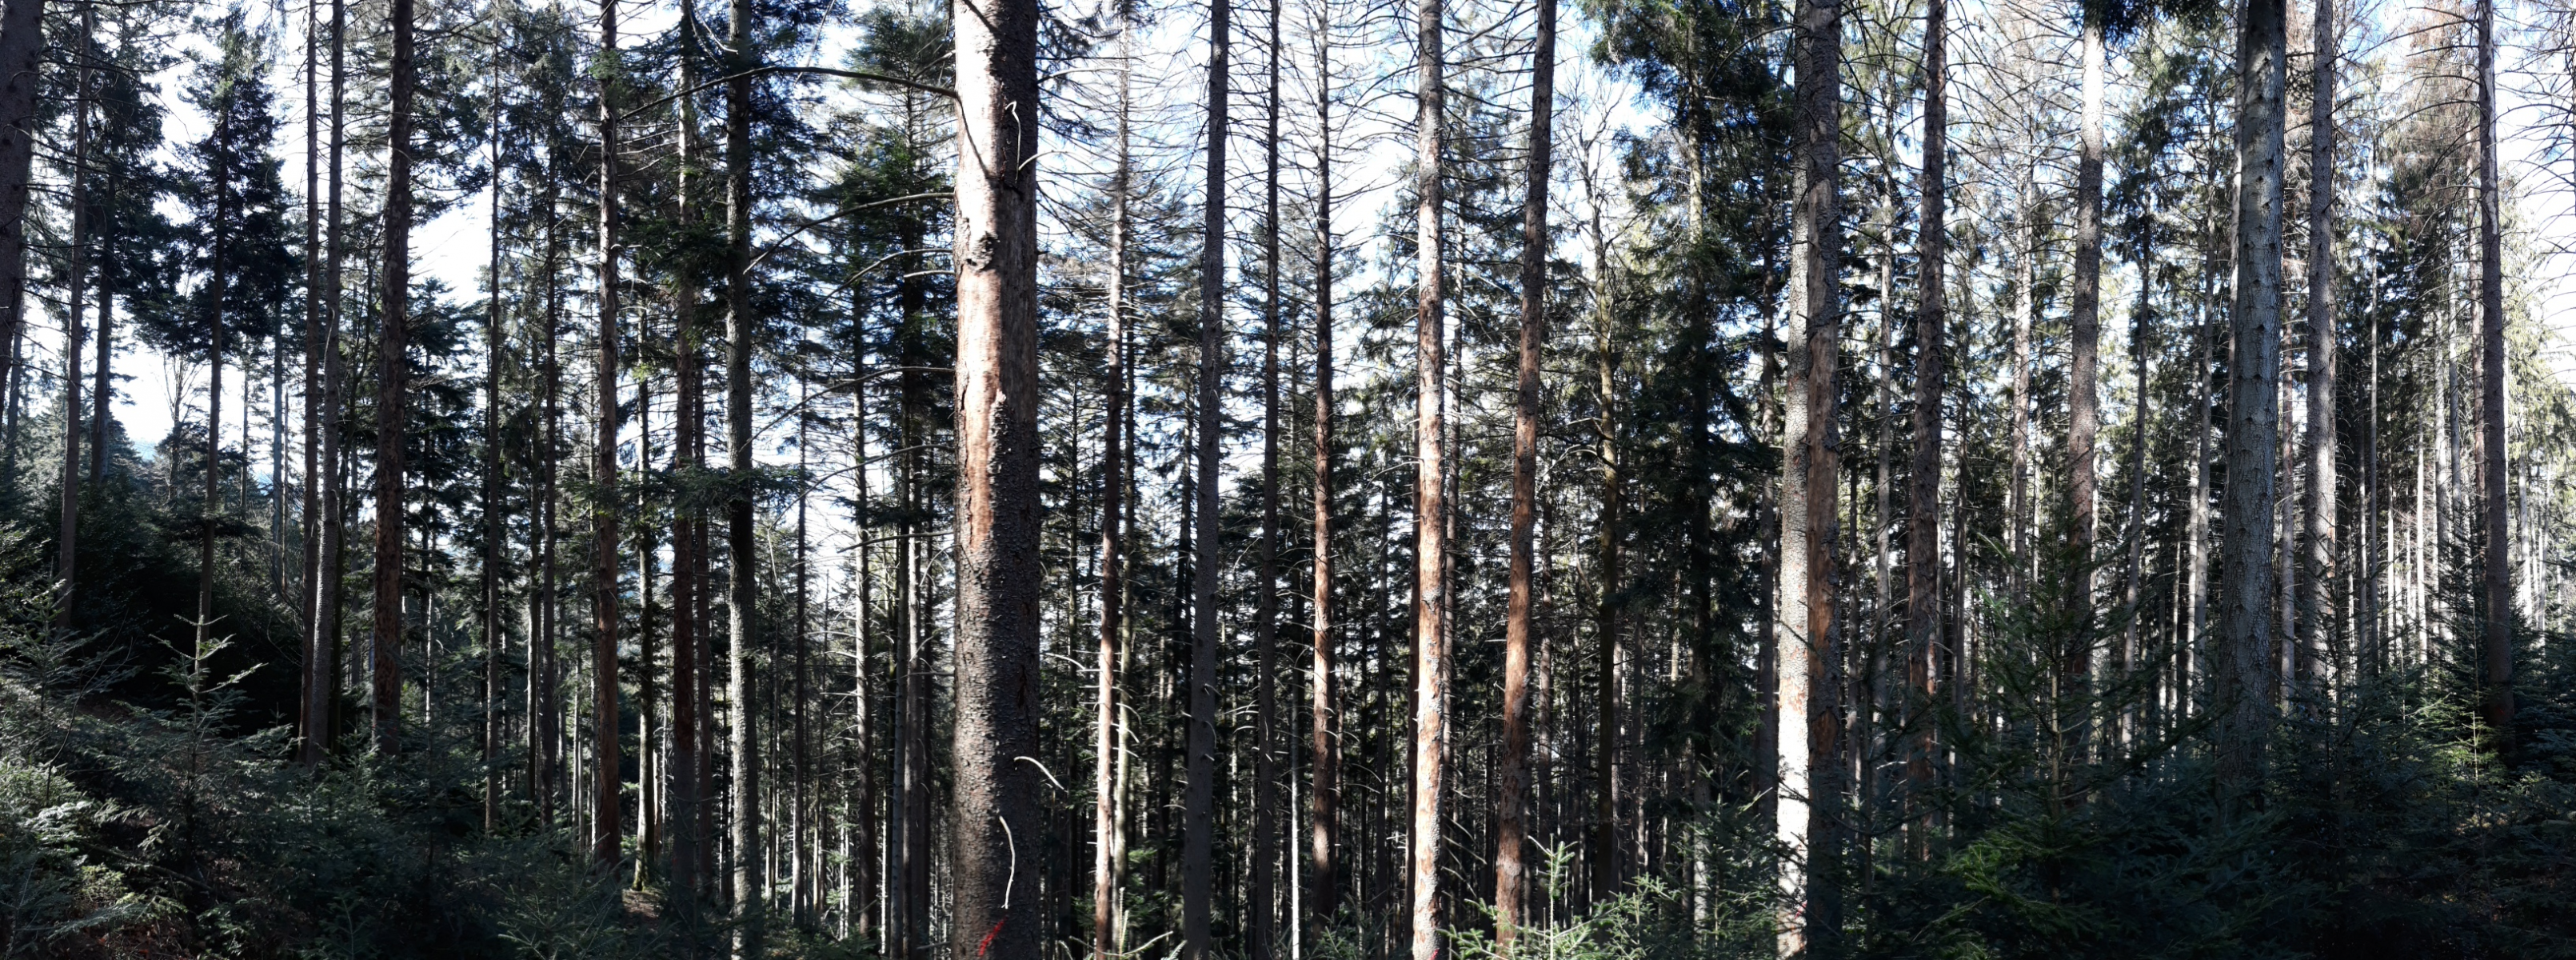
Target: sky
{"points": [[453, 247]]}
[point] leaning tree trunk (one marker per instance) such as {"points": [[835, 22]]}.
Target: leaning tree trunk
{"points": [[2496, 707], [1430, 508], [1810, 739], [2241, 695], [1199, 803], [1923, 496], [994, 801], [1510, 835], [605, 807]]}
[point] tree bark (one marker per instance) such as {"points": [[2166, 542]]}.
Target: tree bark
{"points": [[742, 593], [1923, 496], [2084, 393], [1323, 816], [605, 802], [994, 801], [1198, 804], [1265, 625], [688, 713], [1107, 842], [1510, 834], [1810, 738], [311, 707], [22, 47], [2496, 707], [490, 572], [66, 563], [2241, 696], [1431, 510], [322, 640], [2316, 600]]}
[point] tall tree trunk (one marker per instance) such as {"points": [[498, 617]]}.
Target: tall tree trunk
{"points": [[1323, 814], [22, 48], [2083, 400], [2241, 696], [322, 643], [742, 594], [2316, 600], [1265, 626], [2496, 706], [1431, 509], [994, 800], [391, 395], [1923, 496], [311, 707], [1510, 834], [67, 543], [490, 573], [1107, 863], [2025, 315], [1610, 623], [1199, 803], [688, 699], [1810, 765], [605, 803]]}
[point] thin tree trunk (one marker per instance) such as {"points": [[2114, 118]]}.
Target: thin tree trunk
{"points": [[1923, 497], [2254, 373], [1107, 865], [2315, 601], [2025, 313], [311, 707], [605, 804], [1511, 835], [688, 711], [66, 565], [1431, 510], [322, 645], [1323, 816], [1810, 770], [1197, 813], [2496, 708], [1265, 626], [1609, 623], [995, 796], [490, 573]]}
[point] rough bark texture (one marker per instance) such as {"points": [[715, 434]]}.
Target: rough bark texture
{"points": [[606, 778], [2240, 696], [996, 830], [2083, 401], [1510, 835], [1198, 823], [1931, 323], [1430, 508], [2315, 598], [391, 394], [688, 762], [2496, 707], [1809, 738]]}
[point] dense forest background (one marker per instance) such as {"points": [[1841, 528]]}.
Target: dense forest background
{"points": [[1659, 478]]}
